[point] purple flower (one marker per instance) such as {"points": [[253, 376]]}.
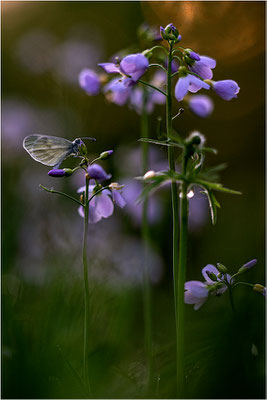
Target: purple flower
{"points": [[89, 81], [117, 92], [101, 206], [196, 293], [226, 89], [134, 65], [203, 67], [201, 105], [97, 172], [191, 83], [58, 173]]}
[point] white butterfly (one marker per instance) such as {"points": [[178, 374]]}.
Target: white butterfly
{"points": [[51, 150]]}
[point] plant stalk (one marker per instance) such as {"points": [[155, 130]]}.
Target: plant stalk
{"points": [[175, 217], [146, 277], [86, 290]]}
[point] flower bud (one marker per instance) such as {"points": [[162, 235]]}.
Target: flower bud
{"points": [[221, 268], [81, 198], [170, 33], [149, 175], [260, 289], [106, 154], [247, 266], [212, 276], [59, 173]]}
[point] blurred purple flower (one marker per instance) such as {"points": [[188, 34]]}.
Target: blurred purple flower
{"points": [[117, 92], [89, 81], [203, 67], [191, 83], [101, 206], [198, 214], [72, 56], [134, 65], [201, 105], [153, 96], [131, 192], [226, 89], [34, 50], [97, 172]]}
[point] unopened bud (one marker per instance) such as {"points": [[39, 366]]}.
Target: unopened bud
{"points": [[59, 173], [260, 289], [106, 154], [81, 198], [221, 268], [149, 175], [212, 276], [247, 266]]}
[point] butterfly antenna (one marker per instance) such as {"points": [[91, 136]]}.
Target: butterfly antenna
{"points": [[90, 138]]}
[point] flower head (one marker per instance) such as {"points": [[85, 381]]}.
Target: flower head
{"points": [[133, 66], [196, 293], [202, 66], [201, 105], [97, 172], [101, 206], [117, 92], [188, 83], [226, 89], [89, 81]]}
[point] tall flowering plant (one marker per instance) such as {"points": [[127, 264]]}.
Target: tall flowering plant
{"points": [[123, 89], [194, 72], [96, 201]]}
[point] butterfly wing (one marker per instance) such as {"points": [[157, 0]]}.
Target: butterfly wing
{"points": [[48, 150]]}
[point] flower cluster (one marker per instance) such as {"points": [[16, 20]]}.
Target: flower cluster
{"points": [[217, 281], [130, 68], [102, 199]]}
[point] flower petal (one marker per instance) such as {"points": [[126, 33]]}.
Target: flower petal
{"points": [[110, 68], [197, 288], [209, 268], [181, 88], [104, 205]]}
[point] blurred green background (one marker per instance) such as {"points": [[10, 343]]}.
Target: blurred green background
{"points": [[44, 47]]}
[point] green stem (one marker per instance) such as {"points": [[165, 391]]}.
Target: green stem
{"points": [[152, 86], [146, 278], [157, 65], [181, 280], [231, 298], [175, 215], [86, 288], [62, 194]]}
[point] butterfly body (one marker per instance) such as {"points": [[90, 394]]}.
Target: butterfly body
{"points": [[52, 150]]}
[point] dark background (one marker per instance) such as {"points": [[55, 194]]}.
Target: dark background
{"points": [[44, 46]]}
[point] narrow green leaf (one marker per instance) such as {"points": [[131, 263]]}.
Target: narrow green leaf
{"points": [[215, 186], [161, 142]]}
